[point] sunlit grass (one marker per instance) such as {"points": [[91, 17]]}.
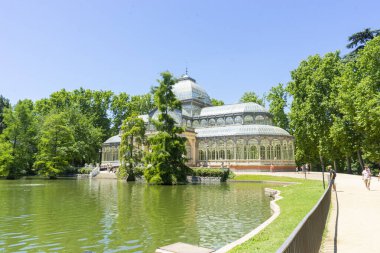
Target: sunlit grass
{"points": [[298, 199]]}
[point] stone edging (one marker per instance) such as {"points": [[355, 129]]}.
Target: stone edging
{"points": [[276, 212]]}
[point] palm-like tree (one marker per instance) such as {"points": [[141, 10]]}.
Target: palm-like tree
{"points": [[359, 39]]}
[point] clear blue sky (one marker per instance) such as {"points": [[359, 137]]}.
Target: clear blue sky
{"points": [[229, 47]]}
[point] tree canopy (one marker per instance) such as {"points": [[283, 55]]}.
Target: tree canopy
{"points": [[251, 96]]}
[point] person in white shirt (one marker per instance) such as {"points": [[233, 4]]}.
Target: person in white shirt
{"points": [[367, 177]]}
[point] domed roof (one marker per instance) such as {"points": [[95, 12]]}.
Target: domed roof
{"points": [[187, 88], [113, 139], [239, 130], [231, 109]]}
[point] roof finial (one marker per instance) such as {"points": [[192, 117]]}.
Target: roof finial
{"points": [[186, 70]]}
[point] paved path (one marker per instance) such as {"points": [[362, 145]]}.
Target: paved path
{"points": [[357, 212]]}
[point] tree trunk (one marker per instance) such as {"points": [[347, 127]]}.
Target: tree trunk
{"points": [[349, 170], [323, 170], [360, 159], [335, 167]]}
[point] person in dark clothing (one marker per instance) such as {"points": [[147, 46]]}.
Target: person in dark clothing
{"points": [[332, 177]]}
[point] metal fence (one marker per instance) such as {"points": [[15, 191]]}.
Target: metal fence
{"points": [[307, 236]]}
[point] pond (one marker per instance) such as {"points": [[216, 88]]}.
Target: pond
{"points": [[114, 216]]}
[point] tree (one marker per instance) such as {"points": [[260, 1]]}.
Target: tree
{"points": [[87, 138], [312, 109], [366, 93], [19, 138], [131, 146], [277, 99], [123, 106], [166, 161], [216, 102], [55, 145], [251, 96], [358, 41], [4, 103]]}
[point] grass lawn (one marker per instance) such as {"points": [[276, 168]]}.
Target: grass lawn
{"points": [[298, 199]]}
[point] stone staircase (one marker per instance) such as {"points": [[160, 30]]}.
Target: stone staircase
{"points": [[105, 175]]}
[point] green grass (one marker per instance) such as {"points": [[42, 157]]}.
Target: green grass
{"points": [[298, 199]]}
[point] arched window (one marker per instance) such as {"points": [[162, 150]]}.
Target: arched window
{"points": [[277, 152], [240, 149], [269, 153], [220, 122], [285, 151], [229, 121], [248, 119], [230, 150], [221, 155], [252, 152], [188, 123], [204, 123], [259, 119], [195, 123], [262, 152], [211, 122], [238, 120], [201, 155]]}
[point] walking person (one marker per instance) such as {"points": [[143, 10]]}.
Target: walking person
{"points": [[332, 177], [367, 177], [271, 168]]}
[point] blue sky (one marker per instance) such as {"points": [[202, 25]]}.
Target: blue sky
{"points": [[229, 47]]}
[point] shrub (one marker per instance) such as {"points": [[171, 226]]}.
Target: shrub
{"points": [[223, 173], [84, 170]]}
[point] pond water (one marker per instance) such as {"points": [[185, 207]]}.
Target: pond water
{"points": [[113, 216]]}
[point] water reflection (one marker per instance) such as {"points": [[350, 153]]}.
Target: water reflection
{"points": [[111, 216]]}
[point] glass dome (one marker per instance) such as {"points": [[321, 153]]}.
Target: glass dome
{"points": [[113, 139], [233, 109], [186, 89]]}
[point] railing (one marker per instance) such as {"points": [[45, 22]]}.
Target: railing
{"points": [[307, 236]]}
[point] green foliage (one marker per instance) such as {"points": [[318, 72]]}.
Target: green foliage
{"points": [[359, 39], [312, 109], [277, 99], [224, 174], [55, 145], [84, 170], [216, 102], [166, 161], [251, 96], [4, 103], [124, 106], [93, 104], [131, 146], [20, 138]]}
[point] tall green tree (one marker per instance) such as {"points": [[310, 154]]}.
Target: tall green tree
{"points": [[131, 146], [251, 96], [4, 103], [367, 97], [55, 147], [277, 98], [166, 161], [20, 138], [312, 110]]}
